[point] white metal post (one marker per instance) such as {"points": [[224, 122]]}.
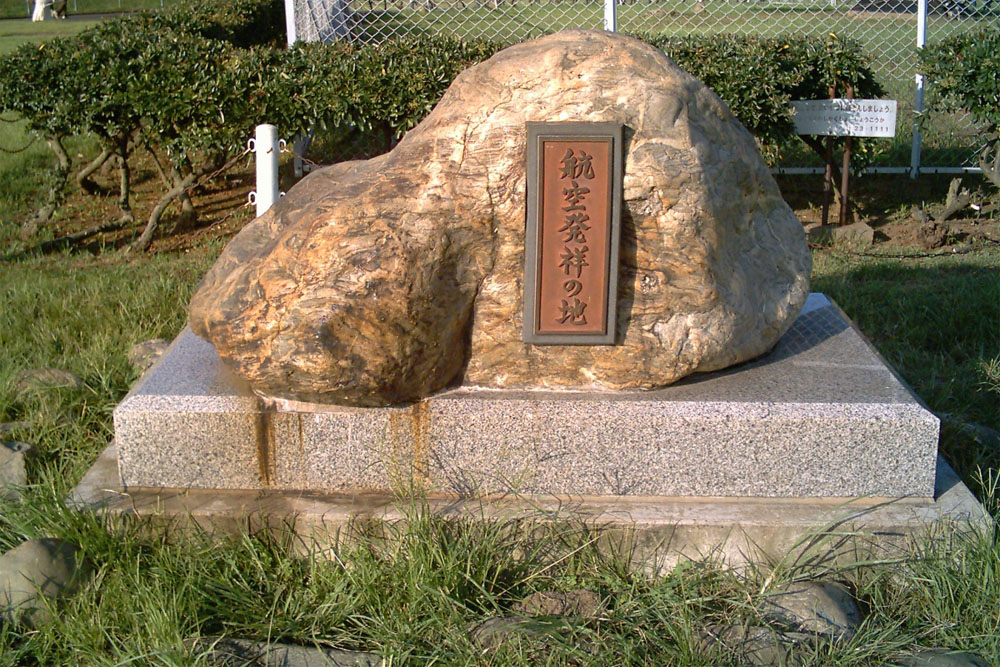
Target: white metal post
{"points": [[39, 14], [290, 22], [918, 91], [611, 15], [266, 149]]}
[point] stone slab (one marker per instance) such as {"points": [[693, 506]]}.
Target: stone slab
{"points": [[659, 532], [821, 415]]}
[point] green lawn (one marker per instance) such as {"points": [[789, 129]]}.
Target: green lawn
{"points": [[15, 32], [20, 9], [412, 596]]}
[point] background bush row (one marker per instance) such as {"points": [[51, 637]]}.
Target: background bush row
{"points": [[188, 85], [965, 69]]}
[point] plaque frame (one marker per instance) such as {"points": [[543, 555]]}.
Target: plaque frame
{"points": [[538, 133]]}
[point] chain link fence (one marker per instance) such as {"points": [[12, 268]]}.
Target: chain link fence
{"points": [[501, 20], [887, 30]]}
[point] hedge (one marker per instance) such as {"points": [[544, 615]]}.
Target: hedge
{"points": [[188, 85], [964, 74], [758, 77]]}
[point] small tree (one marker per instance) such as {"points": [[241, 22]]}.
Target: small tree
{"points": [[964, 74], [33, 85]]}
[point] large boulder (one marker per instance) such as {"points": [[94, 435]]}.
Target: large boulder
{"points": [[382, 281]]}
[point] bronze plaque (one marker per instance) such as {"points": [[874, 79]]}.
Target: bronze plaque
{"points": [[571, 241]]}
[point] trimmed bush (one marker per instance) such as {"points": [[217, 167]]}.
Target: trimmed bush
{"points": [[188, 85], [757, 77], [964, 74]]}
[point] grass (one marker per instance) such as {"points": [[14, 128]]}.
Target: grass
{"points": [[413, 595], [411, 591], [18, 9], [15, 33], [937, 320]]}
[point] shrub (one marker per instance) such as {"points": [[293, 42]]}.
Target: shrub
{"points": [[757, 77], [964, 74], [392, 86], [242, 23], [188, 85]]}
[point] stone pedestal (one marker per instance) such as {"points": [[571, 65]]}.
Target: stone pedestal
{"points": [[817, 447], [820, 416]]}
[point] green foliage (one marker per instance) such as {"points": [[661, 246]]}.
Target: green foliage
{"points": [[395, 84], [757, 77], [34, 85], [964, 71], [192, 82], [242, 23]]}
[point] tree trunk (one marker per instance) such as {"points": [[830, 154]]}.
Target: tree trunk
{"points": [[142, 243], [188, 215], [818, 147], [125, 183], [179, 190], [991, 164], [60, 174], [83, 176]]}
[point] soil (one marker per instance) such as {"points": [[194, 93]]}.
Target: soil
{"points": [[887, 203], [903, 211]]}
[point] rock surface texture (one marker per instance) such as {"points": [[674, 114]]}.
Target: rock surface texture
{"points": [[36, 570], [145, 354], [383, 281], [819, 607], [12, 471]]}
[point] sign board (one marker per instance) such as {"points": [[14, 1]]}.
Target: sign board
{"points": [[846, 118], [571, 239]]}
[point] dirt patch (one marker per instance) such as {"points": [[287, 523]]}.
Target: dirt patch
{"points": [[892, 204]]}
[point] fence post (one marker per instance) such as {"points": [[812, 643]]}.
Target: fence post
{"points": [[290, 22], [918, 91], [611, 15], [266, 149]]}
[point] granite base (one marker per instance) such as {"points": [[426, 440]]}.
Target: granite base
{"points": [[821, 415], [656, 532]]}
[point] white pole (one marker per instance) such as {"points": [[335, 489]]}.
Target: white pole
{"points": [[610, 15], [40, 14], [266, 149], [918, 92], [290, 22]]}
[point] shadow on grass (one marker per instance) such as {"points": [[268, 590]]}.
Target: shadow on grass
{"points": [[938, 323]]}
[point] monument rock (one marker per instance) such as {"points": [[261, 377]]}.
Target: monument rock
{"points": [[382, 281]]}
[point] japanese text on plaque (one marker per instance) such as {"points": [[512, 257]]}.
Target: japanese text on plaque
{"points": [[577, 170]]}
